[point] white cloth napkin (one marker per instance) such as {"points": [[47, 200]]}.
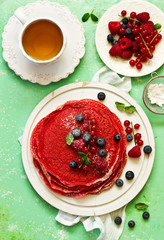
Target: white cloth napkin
{"points": [[108, 229]]}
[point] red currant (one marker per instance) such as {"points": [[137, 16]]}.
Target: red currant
{"points": [[138, 39], [140, 142], [122, 31], [92, 149], [159, 36], [136, 126], [140, 29], [85, 150], [126, 123], [92, 133], [86, 126], [135, 31], [132, 63], [148, 44], [130, 20], [123, 13], [93, 127], [92, 142], [138, 55], [155, 32], [144, 59], [141, 44], [143, 50], [137, 136], [129, 25], [93, 121], [144, 32], [150, 56], [152, 48], [139, 66], [128, 130], [132, 14], [148, 38]]}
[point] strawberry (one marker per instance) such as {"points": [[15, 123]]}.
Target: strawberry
{"points": [[126, 54], [143, 17], [135, 152], [114, 27], [148, 26], [125, 43], [115, 50]]}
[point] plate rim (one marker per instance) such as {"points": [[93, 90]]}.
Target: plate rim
{"points": [[59, 203]]}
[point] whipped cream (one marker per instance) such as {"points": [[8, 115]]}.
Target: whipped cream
{"points": [[156, 94]]}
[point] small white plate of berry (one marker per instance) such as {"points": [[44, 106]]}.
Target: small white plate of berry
{"points": [[129, 38]]}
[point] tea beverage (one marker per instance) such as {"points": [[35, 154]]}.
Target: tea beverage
{"points": [[42, 40]]}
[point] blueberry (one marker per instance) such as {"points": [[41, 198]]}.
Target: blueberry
{"points": [[128, 31], [118, 220], [76, 132], [87, 137], [129, 175], [79, 117], [129, 137], [117, 137], [72, 164], [125, 20], [119, 182], [147, 149], [101, 96], [110, 38], [123, 25], [145, 215], [100, 142], [102, 152], [114, 42], [131, 223]]}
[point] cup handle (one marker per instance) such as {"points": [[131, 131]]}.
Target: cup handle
{"points": [[20, 16]]}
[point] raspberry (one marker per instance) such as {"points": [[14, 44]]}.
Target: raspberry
{"points": [[126, 123], [123, 13], [115, 50], [78, 145], [126, 54], [135, 152], [143, 17], [125, 43], [100, 164], [132, 63], [148, 27], [114, 27]]}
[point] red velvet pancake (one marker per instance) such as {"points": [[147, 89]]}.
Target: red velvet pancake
{"points": [[52, 154]]}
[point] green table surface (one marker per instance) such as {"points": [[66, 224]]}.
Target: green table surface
{"points": [[24, 214]]}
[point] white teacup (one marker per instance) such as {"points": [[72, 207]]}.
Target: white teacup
{"points": [[41, 39]]}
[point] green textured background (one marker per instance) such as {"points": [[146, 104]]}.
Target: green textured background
{"points": [[24, 215]]}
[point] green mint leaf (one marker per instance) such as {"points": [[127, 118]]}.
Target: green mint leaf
{"points": [[87, 161], [82, 159], [69, 139], [120, 106], [94, 17], [82, 154], [157, 26], [141, 206], [85, 17], [130, 109]]}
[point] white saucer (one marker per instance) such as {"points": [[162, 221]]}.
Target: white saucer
{"points": [[53, 72], [118, 64]]}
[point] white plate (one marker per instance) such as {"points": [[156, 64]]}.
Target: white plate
{"points": [[118, 64], [53, 72], [115, 197]]}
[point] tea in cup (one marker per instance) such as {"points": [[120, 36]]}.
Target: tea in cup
{"points": [[41, 40]]}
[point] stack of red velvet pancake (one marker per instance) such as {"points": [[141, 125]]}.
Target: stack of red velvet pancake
{"points": [[52, 154]]}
